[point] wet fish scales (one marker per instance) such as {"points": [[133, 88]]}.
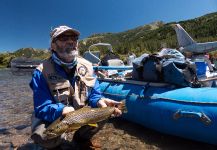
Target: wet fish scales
{"points": [[76, 119], [89, 116]]}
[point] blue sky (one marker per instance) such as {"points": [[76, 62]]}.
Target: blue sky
{"points": [[27, 23]]}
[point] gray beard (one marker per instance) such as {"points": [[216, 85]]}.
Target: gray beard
{"points": [[68, 55]]}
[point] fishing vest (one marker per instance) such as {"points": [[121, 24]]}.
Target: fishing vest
{"points": [[61, 89]]}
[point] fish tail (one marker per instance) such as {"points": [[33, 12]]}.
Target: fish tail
{"points": [[122, 106]]}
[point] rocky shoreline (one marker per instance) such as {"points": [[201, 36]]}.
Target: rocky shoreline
{"points": [[117, 134]]}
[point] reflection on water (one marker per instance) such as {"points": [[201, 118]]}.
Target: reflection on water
{"points": [[15, 100]]}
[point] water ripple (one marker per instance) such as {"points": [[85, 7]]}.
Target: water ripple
{"points": [[16, 103]]}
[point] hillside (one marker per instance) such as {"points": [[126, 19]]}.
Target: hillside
{"points": [[143, 39], [36, 54], [150, 38]]}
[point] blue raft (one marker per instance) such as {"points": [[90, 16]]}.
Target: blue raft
{"points": [[186, 112]]}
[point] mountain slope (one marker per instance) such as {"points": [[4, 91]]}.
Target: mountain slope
{"points": [[150, 38], [38, 54], [143, 39]]}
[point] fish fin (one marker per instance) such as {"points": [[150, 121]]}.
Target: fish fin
{"points": [[93, 125], [122, 106]]}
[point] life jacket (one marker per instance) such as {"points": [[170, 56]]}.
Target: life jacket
{"points": [[61, 89]]}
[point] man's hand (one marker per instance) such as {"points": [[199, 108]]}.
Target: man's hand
{"points": [[67, 109], [108, 102]]}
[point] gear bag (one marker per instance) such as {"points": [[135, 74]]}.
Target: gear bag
{"points": [[166, 68], [147, 68], [179, 72]]}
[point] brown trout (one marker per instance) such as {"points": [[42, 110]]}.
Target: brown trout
{"points": [[76, 119]]}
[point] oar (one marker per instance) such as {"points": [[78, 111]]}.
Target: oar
{"points": [[208, 79], [113, 67]]}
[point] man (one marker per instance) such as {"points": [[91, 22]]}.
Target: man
{"points": [[62, 84], [130, 58]]}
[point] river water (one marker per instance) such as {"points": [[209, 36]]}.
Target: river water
{"points": [[16, 106], [15, 99]]}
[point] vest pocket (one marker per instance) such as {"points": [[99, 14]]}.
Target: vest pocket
{"points": [[62, 95]]}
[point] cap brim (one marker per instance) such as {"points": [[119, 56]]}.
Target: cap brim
{"points": [[59, 31], [75, 32]]}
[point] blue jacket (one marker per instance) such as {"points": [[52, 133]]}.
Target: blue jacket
{"points": [[44, 106]]}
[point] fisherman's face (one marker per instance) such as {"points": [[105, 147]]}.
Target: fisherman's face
{"points": [[66, 47]]}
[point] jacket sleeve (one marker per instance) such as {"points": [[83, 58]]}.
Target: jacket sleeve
{"points": [[44, 106], [94, 95]]}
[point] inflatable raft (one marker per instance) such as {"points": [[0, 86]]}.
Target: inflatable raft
{"points": [[185, 112]]}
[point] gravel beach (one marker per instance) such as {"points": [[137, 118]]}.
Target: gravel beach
{"points": [[117, 134]]}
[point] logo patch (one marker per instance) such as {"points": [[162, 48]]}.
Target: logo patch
{"points": [[82, 70]]}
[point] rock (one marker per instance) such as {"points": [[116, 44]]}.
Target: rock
{"points": [[18, 140], [30, 146]]}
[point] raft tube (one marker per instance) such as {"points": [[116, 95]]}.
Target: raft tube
{"points": [[185, 112]]}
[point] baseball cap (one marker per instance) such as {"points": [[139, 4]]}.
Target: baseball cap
{"points": [[62, 29]]}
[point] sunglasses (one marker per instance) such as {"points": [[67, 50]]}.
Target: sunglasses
{"points": [[65, 38]]}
